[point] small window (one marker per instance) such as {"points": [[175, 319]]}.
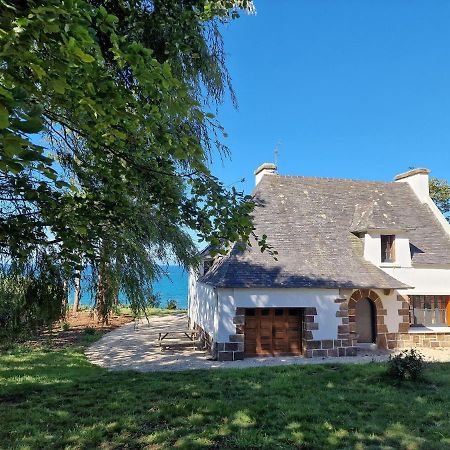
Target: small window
{"points": [[265, 312], [207, 264], [250, 312], [387, 248], [279, 312]]}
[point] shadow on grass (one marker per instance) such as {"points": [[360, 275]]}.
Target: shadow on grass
{"points": [[56, 399]]}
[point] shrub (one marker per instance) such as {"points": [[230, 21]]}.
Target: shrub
{"points": [[172, 304], [89, 331], [116, 309], [29, 303], [90, 335], [407, 365], [65, 326]]}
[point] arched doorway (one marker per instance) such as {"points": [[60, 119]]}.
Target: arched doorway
{"points": [[365, 318], [378, 316]]}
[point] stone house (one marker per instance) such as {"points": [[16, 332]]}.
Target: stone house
{"points": [[360, 263]]}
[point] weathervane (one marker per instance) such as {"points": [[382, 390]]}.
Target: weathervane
{"points": [[276, 153]]}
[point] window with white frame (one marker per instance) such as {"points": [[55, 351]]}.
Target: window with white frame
{"points": [[430, 310]]}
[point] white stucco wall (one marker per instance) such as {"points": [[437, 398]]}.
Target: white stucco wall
{"points": [[424, 279], [202, 305], [372, 249], [419, 184], [321, 299], [214, 310], [391, 305]]}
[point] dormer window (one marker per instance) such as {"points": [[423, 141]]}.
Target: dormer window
{"points": [[207, 264], [387, 248]]}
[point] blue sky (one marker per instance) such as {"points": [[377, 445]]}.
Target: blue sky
{"points": [[351, 88]]}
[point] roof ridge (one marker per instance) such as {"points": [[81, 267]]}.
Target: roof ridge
{"points": [[353, 180]]}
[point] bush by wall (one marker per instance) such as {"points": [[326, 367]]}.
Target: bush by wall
{"points": [[407, 365]]}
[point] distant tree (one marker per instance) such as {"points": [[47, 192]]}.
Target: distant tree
{"points": [[440, 193], [172, 304]]}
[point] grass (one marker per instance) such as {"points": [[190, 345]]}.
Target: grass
{"points": [[55, 399], [151, 311]]}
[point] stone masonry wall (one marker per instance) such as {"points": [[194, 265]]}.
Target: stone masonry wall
{"points": [[234, 349], [225, 351], [403, 312], [422, 340], [206, 339], [416, 339], [328, 347]]}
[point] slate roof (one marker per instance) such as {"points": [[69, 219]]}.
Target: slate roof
{"points": [[312, 223], [377, 215]]}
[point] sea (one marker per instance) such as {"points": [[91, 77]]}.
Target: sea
{"points": [[174, 286]]}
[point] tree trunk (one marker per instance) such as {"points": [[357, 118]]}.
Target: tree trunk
{"points": [[116, 296], [77, 294], [65, 300], [100, 303]]}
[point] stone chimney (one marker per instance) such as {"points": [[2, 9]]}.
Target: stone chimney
{"points": [[419, 181], [264, 169]]}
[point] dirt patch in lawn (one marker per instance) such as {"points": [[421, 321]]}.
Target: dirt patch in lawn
{"points": [[79, 328]]}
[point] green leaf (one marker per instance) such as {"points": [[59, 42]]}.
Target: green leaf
{"points": [[12, 144], [14, 167], [83, 56], [58, 85], [28, 155], [51, 28], [38, 71], [81, 230], [50, 173], [4, 118], [5, 93], [31, 125], [62, 184]]}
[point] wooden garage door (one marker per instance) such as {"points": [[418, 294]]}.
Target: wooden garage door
{"points": [[273, 331]]}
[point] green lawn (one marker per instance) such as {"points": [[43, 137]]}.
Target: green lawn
{"points": [[57, 399]]}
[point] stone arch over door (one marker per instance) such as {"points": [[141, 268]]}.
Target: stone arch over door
{"points": [[381, 329]]}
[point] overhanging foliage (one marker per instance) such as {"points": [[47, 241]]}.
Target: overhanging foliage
{"points": [[106, 134]]}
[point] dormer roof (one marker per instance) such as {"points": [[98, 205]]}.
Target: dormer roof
{"points": [[378, 214]]}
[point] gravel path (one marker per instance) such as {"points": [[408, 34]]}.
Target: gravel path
{"points": [[135, 347]]}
